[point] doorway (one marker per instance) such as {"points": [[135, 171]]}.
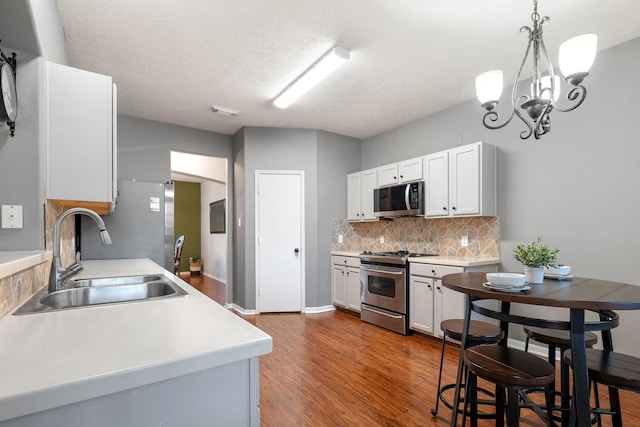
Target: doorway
{"points": [[210, 174], [279, 241]]}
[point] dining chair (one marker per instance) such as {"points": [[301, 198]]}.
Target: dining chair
{"points": [[479, 333], [509, 369], [614, 370], [177, 254], [559, 340]]}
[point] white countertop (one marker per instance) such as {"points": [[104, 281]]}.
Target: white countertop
{"points": [[440, 260], [56, 358], [455, 261], [12, 262]]}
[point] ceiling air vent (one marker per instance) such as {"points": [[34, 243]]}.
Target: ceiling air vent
{"points": [[223, 111]]}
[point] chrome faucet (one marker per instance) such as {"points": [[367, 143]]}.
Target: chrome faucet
{"points": [[59, 274]]}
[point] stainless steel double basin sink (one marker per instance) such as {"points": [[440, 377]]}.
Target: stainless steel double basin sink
{"points": [[109, 290]]}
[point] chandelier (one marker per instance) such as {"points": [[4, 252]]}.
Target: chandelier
{"points": [[576, 57]]}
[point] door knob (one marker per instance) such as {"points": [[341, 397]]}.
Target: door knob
{"points": [[296, 250]]}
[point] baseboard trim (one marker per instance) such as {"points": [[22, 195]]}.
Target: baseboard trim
{"points": [[240, 310], [321, 309]]}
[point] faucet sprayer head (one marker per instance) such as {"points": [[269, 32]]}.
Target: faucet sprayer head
{"points": [[104, 236]]}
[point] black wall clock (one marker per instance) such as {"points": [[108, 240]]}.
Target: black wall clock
{"points": [[9, 104]]}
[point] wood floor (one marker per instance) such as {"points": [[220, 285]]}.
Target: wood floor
{"points": [[331, 369]]}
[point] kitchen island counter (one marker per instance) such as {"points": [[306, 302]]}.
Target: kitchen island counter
{"points": [[49, 360]]}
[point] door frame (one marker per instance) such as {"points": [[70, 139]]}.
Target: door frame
{"points": [[303, 249]]}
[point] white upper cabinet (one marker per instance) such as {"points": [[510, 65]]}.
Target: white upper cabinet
{"points": [[436, 196], [405, 171], [80, 137], [360, 186], [410, 170], [461, 181], [388, 175]]}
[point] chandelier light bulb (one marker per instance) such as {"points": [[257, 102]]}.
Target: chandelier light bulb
{"points": [[489, 87], [577, 54], [545, 87]]}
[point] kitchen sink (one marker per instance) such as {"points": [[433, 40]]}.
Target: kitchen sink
{"points": [[111, 290], [109, 281]]}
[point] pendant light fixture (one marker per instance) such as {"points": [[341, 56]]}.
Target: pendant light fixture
{"points": [[331, 60], [576, 57]]}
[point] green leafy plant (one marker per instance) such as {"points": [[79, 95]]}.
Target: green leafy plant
{"points": [[536, 254], [195, 259]]}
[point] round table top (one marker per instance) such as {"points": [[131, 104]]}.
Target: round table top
{"points": [[577, 292]]}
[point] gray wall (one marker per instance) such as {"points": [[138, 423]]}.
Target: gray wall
{"points": [[325, 159], [22, 158], [337, 156], [576, 187], [144, 154]]}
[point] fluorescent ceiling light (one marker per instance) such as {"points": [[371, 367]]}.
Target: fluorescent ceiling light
{"points": [[316, 73]]}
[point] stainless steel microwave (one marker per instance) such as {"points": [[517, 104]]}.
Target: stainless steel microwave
{"points": [[399, 200]]}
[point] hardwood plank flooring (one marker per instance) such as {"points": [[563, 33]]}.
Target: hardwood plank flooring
{"points": [[332, 369]]}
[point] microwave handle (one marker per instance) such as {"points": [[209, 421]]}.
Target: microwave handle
{"points": [[406, 196]]}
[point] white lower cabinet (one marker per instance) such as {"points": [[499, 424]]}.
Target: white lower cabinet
{"points": [[429, 301], [345, 283]]}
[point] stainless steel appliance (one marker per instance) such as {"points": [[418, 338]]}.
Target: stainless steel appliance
{"points": [[399, 200], [384, 284]]}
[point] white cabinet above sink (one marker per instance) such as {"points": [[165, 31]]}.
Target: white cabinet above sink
{"points": [[80, 138]]}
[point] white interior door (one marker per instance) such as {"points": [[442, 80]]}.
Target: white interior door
{"points": [[279, 240]]}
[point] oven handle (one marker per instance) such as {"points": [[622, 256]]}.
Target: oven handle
{"points": [[374, 270], [382, 313]]}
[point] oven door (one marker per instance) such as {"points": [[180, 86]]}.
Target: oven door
{"points": [[385, 287]]}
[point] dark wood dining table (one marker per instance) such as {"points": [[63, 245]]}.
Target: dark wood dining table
{"points": [[576, 294]]}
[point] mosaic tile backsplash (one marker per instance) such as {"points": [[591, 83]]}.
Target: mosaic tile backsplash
{"points": [[438, 235]]}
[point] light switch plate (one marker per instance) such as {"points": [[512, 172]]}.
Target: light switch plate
{"points": [[11, 216], [464, 241]]}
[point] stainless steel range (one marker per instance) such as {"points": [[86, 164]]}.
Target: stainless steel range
{"points": [[384, 284]]}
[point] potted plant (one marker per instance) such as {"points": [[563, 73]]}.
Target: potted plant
{"points": [[195, 264], [535, 256]]}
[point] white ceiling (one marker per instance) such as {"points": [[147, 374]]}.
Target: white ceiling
{"points": [[409, 58]]}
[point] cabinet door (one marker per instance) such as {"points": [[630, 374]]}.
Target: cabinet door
{"points": [[447, 304], [410, 170], [421, 304], [388, 174], [437, 184], [369, 183], [464, 180], [338, 282], [353, 196], [353, 288], [79, 134]]}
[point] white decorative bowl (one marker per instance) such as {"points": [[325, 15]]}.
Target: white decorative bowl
{"points": [[561, 270], [506, 279]]}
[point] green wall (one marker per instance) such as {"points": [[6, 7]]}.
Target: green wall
{"points": [[187, 219]]}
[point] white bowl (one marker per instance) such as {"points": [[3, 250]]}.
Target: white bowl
{"points": [[506, 279], [561, 270]]}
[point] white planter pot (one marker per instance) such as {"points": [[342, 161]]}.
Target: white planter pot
{"points": [[534, 274]]}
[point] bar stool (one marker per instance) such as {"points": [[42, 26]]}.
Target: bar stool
{"points": [[479, 333], [614, 370], [558, 339], [510, 369]]}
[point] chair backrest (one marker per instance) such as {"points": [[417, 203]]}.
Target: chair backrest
{"points": [[178, 251]]}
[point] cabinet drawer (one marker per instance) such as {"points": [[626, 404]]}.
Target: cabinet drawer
{"points": [[346, 261], [433, 270]]}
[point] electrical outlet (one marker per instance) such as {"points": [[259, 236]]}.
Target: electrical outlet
{"points": [[381, 239], [340, 238], [464, 241]]}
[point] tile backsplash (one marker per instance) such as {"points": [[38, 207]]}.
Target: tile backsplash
{"points": [[416, 234], [18, 287]]}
